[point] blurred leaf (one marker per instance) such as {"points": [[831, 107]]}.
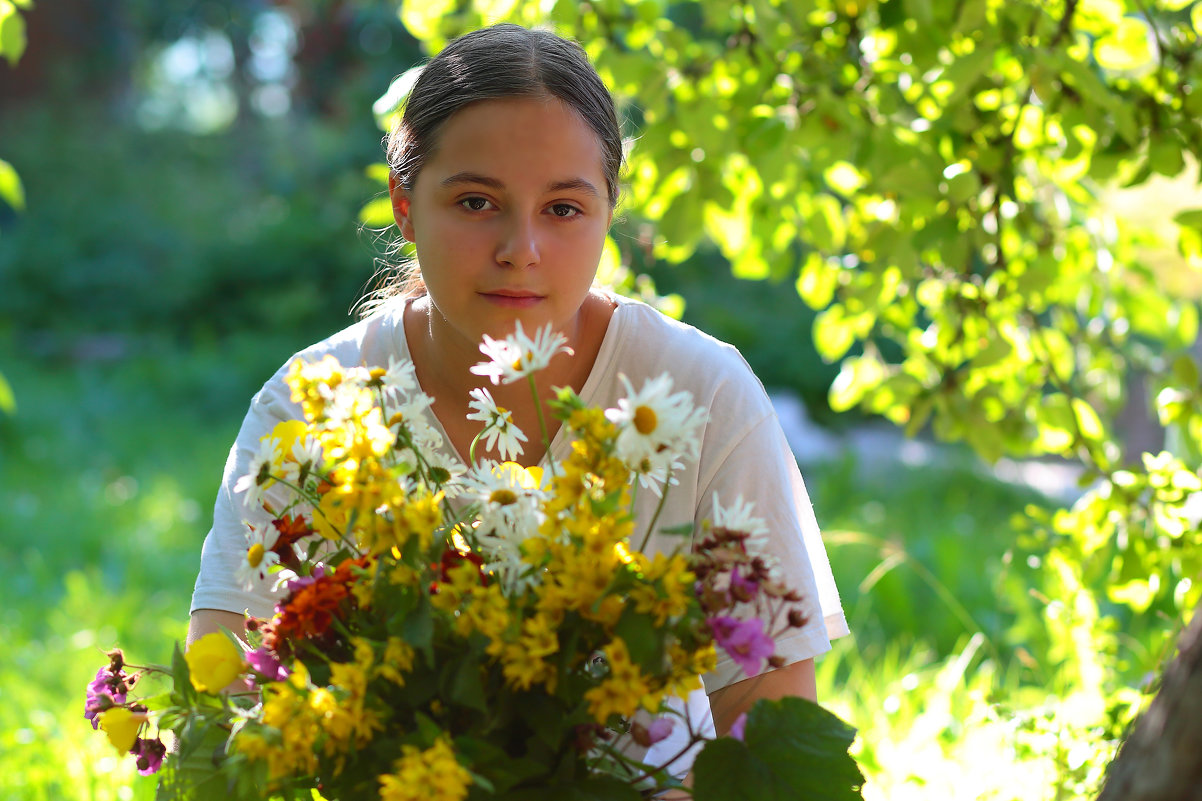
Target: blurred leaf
{"points": [[1126, 47], [12, 33], [11, 191], [8, 401], [792, 749], [377, 213]]}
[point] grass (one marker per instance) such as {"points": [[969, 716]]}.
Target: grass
{"points": [[111, 468]]}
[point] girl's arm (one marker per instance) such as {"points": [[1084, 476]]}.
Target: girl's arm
{"points": [[206, 621], [733, 700]]}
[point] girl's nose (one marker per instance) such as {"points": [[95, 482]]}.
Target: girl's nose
{"points": [[519, 243]]}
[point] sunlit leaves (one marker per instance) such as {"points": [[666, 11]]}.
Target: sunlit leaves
{"points": [[12, 32], [1126, 47], [11, 191]]}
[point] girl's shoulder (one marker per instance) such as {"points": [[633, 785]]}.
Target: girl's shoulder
{"points": [[370, 342], [648, 343]]}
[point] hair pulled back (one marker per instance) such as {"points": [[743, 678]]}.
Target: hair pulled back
{"points": [[502, 61]]}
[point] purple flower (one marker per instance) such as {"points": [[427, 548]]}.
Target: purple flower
{"points": [[105, 691], [659, 728], [736, 728], [149, 754], [743, 589], [265, 662], [744, 640]]}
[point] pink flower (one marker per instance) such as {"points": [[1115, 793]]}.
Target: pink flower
{"points": [[652, 733], [736, 728], [105, 691], [744, 640], [149, 755], [743, 589], [264, 661], [659, 729]]}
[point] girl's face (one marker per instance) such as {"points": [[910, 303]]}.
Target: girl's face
{"points": [[509, 216]]}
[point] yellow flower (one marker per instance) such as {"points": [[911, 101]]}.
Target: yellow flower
{"points": [[430, 775], [623, 690], [524, 661], [675, 593], [121, 726], [397, 660], [213, 662], [286, 433]]}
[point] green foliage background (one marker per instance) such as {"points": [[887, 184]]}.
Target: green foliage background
{"points": [[918, 191]]}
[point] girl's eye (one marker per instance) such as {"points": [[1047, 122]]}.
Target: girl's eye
{"points": [[474, 203], [564, 210]]}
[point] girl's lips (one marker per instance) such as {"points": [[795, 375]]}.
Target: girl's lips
{"points": [[512, 300]]}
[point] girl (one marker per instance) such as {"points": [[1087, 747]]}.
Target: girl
{"points": [[504, 176]]}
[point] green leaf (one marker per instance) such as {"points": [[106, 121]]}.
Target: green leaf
{"points": [[8, 401], [467, 688], [415, 624], [792, 749], [194, 771], [377, 213], [1087, 420], [1125, 48], [181, 677], [12, 33], [422, 20], [11, 191], [642, 638], [817, 281], [856, 377], [1190, 218]]}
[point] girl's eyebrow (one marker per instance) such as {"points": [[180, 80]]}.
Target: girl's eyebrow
{"points": [[578, 184]]}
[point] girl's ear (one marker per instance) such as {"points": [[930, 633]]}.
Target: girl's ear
{"points": [[400, 207]]}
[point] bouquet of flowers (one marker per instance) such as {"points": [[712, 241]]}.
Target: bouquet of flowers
{"points": [[447, 633]]}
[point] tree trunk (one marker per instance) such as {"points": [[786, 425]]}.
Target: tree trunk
{"points": [[1162, 759]]}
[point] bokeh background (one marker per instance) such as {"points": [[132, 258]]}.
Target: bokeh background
{"points": [[195, 178]]}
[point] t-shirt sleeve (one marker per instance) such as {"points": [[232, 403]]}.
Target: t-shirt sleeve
{"points": [[758, 467], [225, 546]]}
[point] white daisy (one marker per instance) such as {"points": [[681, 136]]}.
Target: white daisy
{"points": [[518, 356], [400, 377], [653, 479], [655, 426], [499, 428], [439, 460], [305, 460], [507, 501], [738, 517], [411, 413], [258, 472], [259, 557]]}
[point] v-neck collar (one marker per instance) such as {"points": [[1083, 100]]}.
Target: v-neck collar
{"points": [[596, 377]]}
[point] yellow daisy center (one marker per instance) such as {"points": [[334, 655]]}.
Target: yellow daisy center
{"points": [[503, 497], [255, 555], [645, 420]]}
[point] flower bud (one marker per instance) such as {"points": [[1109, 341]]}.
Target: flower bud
{"points": [[797, 618], [776, 661]]}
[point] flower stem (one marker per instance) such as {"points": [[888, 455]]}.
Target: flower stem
{"points": [[542, 423], [663, 497]]}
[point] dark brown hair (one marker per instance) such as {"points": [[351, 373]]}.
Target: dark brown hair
{"points": [[500, 61]]}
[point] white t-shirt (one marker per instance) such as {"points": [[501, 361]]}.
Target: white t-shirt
{"points": [[743, 454]]}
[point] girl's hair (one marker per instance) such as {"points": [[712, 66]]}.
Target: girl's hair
{"points": [[500, 61]]}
